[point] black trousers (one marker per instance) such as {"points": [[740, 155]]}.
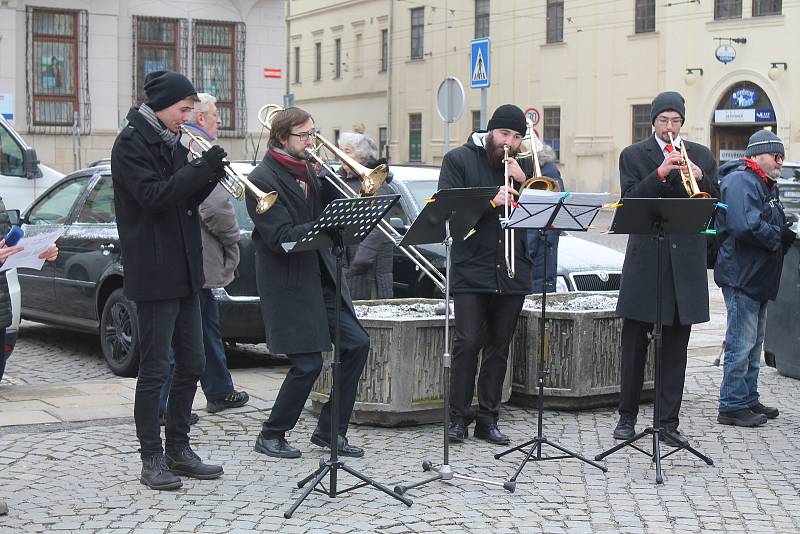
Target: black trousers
{"points": [[483, 321], [635, 340], [164, 326], [354, 344]]}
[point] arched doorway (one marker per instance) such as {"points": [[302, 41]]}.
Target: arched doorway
{"points": [[741, 111]]}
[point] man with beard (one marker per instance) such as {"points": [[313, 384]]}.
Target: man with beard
{"points": [[487, 300], [652, 169], [753, 236], [298, 290]]}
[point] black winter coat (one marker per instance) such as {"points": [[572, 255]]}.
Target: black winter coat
{"points": [[290, 284], [685, 280], [478, 263], [5, 295], [156, 195]]}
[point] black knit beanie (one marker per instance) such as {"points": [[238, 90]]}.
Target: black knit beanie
{"points": [[162, 88], [508, 116], [764, 142], [667, 101]]}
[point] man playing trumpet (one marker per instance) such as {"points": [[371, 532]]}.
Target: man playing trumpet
{"points": [[652, 169]]}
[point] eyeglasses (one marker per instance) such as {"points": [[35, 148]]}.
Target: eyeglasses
{"points": [[677, 121], [778, 158], [305, 136]]}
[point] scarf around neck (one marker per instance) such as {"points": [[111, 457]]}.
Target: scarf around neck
{"points": [[756, 168], [169, 137]]}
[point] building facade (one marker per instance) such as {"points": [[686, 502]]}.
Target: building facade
{"points": [[586, 71], [71, 69]]}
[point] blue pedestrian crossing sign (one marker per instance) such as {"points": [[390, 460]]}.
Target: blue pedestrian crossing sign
{"points": [[479, 64]]}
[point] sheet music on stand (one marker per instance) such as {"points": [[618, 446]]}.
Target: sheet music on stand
{"points": [[356, 217], [556, 210]]}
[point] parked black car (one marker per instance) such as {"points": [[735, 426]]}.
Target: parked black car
{"points": [[82, 290]]}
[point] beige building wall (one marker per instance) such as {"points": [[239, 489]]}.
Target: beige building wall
{"points": [[110, 66], [600, 70], [358, 98]]}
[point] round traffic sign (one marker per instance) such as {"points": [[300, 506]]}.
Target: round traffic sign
{"points": [[533, 115], [450, 99]]}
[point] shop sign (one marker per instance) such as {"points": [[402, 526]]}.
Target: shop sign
{"points": [[744, 98], [725, 53], [728, 155], [744, 115]]}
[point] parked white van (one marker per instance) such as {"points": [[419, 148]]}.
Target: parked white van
{"points": [[22, 177]]}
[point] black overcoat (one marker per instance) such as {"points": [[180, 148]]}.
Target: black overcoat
{"points": [[685, 280], [290, 284], [156, 195], [478, 263]]}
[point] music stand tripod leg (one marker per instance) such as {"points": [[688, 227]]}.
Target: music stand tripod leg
{"points": [[334, 464], [539, 439], [445, 471]]}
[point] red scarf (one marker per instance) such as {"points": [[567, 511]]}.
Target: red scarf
{"points": [[756, 168], [297, 168]]}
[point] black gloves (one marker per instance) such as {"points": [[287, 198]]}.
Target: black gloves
{"points": [[787, 236], [215, 157]]}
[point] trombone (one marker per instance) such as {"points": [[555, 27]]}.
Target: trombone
{"points": [[544, 183], [371, 182], [508, 241], [233, 182], [688, 181]]}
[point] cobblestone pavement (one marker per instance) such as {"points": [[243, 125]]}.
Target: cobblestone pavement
{"points": [[85, 478]]}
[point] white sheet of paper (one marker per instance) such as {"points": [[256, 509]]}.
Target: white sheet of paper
{"points": [[536, 208], [32, 246]]}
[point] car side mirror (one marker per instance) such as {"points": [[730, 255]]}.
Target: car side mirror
{"points": [[13, 217], [30, 164], [397, 224]]}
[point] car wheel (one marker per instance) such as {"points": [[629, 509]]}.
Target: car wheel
{"points": [[119, 335]]}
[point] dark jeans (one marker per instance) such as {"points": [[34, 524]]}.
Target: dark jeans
{"points": [[483, 321], [635, 340], [354, 345], [216, 378], [166, 326]]}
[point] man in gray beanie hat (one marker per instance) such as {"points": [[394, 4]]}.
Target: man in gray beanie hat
{"points": [[486, 298], [652, 168], [156, 197], [753, 236]]}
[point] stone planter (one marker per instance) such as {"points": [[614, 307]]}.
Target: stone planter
{"points": [[402, 381], [583, 357]]}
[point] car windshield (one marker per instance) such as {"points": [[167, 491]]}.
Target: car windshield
{"points": [[790, 172], [421, 190]]}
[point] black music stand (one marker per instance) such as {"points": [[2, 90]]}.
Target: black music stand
{"points": [[451, 215], [344, 221], [546, 212], [660, 217]]}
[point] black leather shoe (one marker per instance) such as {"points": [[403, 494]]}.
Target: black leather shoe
{"points": [[185, 462], [156, 475], [672, 437], [769, 411], [744, 417], [626, 427], [276, 447], [344, 448], [457, 432], [491, 434], [234, 400]]}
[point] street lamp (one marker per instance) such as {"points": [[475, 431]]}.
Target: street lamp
{"points": [[691, 78], [775, 71]]}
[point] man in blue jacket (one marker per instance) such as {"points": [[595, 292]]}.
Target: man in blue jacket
{"points": [[753, 236]]}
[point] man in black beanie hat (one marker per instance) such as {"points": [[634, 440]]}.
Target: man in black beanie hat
{"points": [[487, 300], [652, 169], [156, 196], [754, 236]]}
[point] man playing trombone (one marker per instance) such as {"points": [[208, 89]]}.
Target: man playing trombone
{"points": [[298, 290], [488, 292], [655, 168]]}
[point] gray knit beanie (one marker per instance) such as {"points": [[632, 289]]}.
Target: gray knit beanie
{"points": [[764, 142]]}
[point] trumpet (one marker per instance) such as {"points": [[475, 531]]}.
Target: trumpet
{"points": [[371, 182], [688, 180], [233, 182]]}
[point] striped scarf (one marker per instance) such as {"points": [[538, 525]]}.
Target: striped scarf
{"points": [[169, 137]]}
